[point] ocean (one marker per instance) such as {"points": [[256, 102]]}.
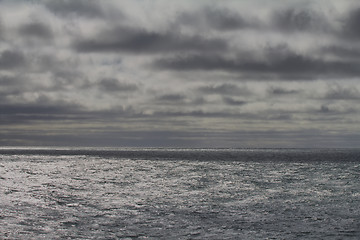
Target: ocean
{"points": [[133, 193]]}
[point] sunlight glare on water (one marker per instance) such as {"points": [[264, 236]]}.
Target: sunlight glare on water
{"points": [[160, 194]]}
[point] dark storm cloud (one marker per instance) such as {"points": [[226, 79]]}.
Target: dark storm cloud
{"points": [[86, 8], [132, 40], [219, 19], [114, 85], [290, 65], [11, 59], [36, 29]]}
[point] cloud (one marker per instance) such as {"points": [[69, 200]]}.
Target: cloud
{"points": [[75, 67], [10, 59], [114, 85], [233, 102], [13, 85], [135, 40], [36, 30], [1, 29], [342, 93], [297, 19], [36, 109], [171, 98], [214, 18], [85, 8], [281, 91], [8, 80], [324, 109], [224, 89], [48, 109], [351, 24], [342, 52], [43, 109], [280, 64]]}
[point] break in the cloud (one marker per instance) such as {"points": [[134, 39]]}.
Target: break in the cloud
{"points": [[200, 74]]}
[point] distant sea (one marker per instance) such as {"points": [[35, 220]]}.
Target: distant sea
{"points": [[127, 193]]}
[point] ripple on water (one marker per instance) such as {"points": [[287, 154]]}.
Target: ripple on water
{"points": [[91, 197]]}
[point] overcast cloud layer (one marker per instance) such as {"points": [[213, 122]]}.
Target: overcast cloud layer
{"points": [[180, 73]]}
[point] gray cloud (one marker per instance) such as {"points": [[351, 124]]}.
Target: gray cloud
{"points": [[324, 109], [8, 80], [11, 59], [13, 85], [295, 19], [37, 30], [281, 91], [43, 109], [338, 92], [56, 111], [156, 138], [1, 30], [329, 113], [171, 98], [114, 85], [132, 40], [233, 102], [342, 52], [35, 109], [224, 89], [351, 24], [180, 72], [219, 19], [86, 8], [283, 66]]}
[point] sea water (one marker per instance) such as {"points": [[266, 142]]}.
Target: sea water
{"points": [[94, 193]]}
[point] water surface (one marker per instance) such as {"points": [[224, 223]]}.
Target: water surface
{"points": [[179, 193]]}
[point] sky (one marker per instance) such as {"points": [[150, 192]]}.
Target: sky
{"points": [[159, 73]]}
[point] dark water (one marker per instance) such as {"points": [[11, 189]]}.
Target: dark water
{"points": [[179, 194]]}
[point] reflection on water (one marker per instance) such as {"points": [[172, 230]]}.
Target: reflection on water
{"points": [[108, 197]]}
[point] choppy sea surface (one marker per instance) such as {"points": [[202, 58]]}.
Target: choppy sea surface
{"points": [[93, 193]]}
